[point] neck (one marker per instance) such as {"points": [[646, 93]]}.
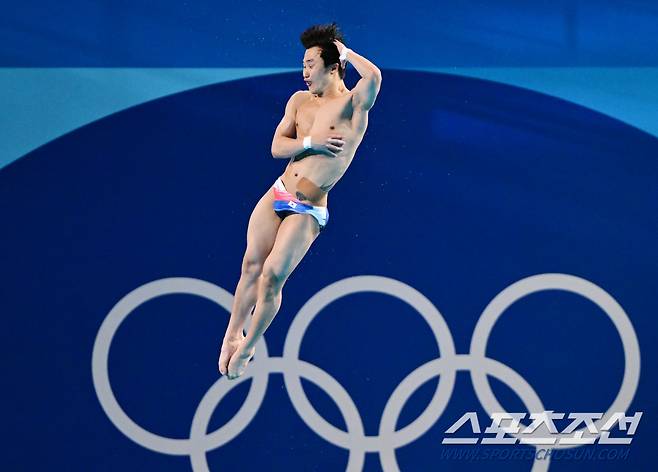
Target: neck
{"points": [[335, 89]]}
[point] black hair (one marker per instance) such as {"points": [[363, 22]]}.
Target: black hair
{"points": [[323, 36]]}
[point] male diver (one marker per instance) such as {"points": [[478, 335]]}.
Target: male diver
{"points": [[320, 132]]}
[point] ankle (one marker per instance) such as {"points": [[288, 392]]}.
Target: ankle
{"points": [[234, 335]]}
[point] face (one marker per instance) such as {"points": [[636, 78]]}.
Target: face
{"points": [[316, 76]]}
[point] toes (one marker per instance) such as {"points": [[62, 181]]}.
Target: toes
{"points": [[234, 370], [224, 359], [235, 375], [230, 371], [236, 365]]}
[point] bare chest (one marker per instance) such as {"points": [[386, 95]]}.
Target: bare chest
{"points": [[313, 115]]}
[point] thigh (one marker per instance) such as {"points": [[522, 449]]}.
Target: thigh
{"points": [[262, 229], [293, 240]]}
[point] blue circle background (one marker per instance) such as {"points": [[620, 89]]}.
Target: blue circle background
{"points": [[460, 188]]}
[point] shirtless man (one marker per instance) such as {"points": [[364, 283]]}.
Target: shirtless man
{"points": [[319, 133]]}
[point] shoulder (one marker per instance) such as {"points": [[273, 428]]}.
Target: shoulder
{"points": [[300, 96], [296, 100]]}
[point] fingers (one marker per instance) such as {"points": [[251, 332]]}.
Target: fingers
{"points": [[336, 142], [335, 145]]}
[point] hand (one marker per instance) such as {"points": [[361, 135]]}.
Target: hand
{"points": [[340, 47], [329, 145]]}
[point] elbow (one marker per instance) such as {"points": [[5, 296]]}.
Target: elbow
{"points": [[377, 76], [275, 150]]}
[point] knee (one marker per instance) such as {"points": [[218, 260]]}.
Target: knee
{"points": [[251, 268], [272, 279]]}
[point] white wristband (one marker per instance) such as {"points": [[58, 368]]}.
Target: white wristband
{"points": [[343, 54], [307, 142]]}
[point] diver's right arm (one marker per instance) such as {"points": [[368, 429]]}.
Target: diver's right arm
{"points": [[287, 144]]}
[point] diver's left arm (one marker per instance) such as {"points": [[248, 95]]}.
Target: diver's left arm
{"points": [[366, 90]]}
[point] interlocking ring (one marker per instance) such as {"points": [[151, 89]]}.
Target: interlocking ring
{"points": [[294, 369]]}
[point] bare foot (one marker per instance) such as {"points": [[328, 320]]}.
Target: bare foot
{"points": [[239, 360], [229, 346]]}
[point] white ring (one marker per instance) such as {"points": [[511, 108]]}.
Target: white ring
{"points": [[573, 284]]}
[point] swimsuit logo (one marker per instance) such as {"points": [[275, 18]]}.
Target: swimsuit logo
{"points": [[293, 369], [292, 204]]}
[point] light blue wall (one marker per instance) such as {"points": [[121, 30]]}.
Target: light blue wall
{"points": [[42, 104]]}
